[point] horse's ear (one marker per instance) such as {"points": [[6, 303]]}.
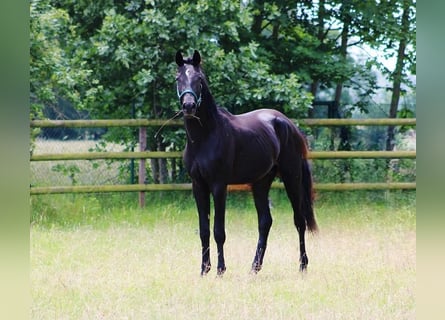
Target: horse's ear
{"points": [[179, 58], [196, 58]]}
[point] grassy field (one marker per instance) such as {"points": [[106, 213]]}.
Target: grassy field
{"points": [[92, 259]]}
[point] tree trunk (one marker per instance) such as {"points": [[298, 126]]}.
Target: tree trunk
{"points": [[314, 88], [174, 174], [396, 86], [258, 17], [344, 131], [397, 76], [163, 170], [320, 37], [154, 165], [142, 169]]}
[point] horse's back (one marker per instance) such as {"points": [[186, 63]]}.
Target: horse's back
{"points": [[280, 128], [258, 127], [264, 117]]}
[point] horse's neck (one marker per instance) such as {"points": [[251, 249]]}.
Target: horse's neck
{"points": [[199, 128]]}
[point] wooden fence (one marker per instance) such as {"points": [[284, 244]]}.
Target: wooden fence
{"points": [[143, 123]]}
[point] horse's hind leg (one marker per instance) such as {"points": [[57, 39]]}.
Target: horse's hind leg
{"points": [[300, 223], [260, 191], [295, 194]]}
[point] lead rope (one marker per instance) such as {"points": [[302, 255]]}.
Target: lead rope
{"points": [[165, 123], [172, 118]]}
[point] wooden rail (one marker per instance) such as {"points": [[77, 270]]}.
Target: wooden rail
{"points": [[241, 187], [161, 122], [178, 154]]}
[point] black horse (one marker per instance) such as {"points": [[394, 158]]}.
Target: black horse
{"points": [[251, 148]]}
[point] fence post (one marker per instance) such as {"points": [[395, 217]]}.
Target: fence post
{"points": [[142, 147]]}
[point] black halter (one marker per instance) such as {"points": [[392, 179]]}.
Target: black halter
{"points": [[181, 94]]}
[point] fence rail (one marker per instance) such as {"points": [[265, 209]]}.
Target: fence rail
{"points": [[178, 154], [158, 122], [188, 186]]}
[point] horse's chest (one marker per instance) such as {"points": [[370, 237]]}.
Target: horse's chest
{"points": [[207, 162]]}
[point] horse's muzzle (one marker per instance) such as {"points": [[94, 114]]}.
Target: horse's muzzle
{"points": [[189, 109]]}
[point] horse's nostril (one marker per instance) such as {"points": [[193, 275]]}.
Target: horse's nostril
{"points": [[188, 107]]}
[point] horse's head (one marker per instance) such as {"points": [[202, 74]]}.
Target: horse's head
{"points": [[189, 83]]}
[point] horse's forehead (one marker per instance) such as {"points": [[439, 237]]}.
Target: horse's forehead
{"points": [[190, 71]]}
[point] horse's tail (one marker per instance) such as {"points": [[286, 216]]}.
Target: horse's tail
{"points": [[307, 187], [308, 195], [288, 133]]}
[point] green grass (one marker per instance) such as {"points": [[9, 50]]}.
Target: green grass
{"points": [[101, 257]]}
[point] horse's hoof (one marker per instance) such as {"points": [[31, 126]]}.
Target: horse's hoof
{"points": [[220, 271], [303, 262], [205, 269], [255, 268]]}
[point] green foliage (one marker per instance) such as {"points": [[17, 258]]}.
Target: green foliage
{"points": [[389, 33], [106, 57], [68, 170]]}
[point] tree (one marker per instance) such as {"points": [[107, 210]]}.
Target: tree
{"points": [[52, 72], [120, 57], [401, 34]]}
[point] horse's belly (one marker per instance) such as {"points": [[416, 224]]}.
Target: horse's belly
{"points": [[255, 157], [250, 170]]}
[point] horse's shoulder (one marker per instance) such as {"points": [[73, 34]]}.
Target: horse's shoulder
{"points": [[224, 112], [226, 119]]}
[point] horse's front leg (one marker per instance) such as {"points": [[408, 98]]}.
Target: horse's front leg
{"points": [[219, 198], [202, 197]]}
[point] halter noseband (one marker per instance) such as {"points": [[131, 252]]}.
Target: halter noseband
{"points": [[181, 94]]}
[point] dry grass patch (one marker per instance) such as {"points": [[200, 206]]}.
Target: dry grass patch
{"points": [[357, 270]]}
